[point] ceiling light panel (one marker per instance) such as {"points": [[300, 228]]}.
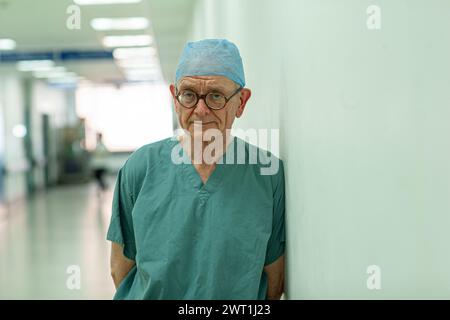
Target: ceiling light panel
{"points": [[108, 24]]}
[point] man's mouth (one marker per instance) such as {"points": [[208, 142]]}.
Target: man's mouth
{"points": [[202, 122]]}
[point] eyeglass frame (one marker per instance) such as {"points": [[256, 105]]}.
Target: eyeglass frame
{"points": [[199, 97]]}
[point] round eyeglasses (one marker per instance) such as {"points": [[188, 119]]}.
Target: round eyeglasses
{"points": [[214, 100]]}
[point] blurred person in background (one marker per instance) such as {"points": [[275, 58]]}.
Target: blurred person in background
{"points": [[99, 163]]}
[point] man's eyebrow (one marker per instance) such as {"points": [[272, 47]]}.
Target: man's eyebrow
{"points": [[190, 86], [218, 88], [186, 87]]}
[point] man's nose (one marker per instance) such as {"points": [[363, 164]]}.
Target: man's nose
{"points": [[201, 108]]}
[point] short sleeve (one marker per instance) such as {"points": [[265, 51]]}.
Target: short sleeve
{"points": [[277, 240], [121, 226]]}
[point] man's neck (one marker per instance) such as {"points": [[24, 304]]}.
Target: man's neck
{"points": [[205, 154], [205, 160]]}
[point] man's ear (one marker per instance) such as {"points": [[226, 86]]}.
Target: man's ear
{"points": [[245, 96], [173, 92]]}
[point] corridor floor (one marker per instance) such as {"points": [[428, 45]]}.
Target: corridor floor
{"points": [[52, 246]]}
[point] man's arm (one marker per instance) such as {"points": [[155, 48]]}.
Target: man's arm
{"points": [[275, 277], [120, 265]]}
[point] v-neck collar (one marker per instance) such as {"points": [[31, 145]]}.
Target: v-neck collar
{"points": [[215, 179]]}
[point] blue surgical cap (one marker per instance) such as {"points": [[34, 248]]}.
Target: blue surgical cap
{"points": [[211, 57]]}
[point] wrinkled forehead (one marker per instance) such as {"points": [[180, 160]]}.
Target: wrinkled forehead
{"points": [[210, 82]]}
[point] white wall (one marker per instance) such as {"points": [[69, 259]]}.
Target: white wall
{"points": [[55, 103], [363, 116], [11, 95], [43, 100]]}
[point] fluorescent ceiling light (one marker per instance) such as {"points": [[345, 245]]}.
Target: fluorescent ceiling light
{"points": [[143, 75], [140, 72], [127, 41], [106, 24], [44, 72], [143, 78], [96, 2], [136, 64], [34, 65], [7, 44], [128, 53], [54, 74], [62, 75], [65, 80]]}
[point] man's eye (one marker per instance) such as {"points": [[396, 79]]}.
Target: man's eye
{"points": [[216, 96], [188, 95]]}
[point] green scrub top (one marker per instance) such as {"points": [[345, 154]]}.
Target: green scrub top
{"points": [[192, 240]]}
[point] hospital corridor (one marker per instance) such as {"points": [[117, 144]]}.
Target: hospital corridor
{"points": [[48, 232], [344, 107]]}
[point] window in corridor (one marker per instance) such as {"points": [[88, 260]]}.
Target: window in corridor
{"points": [[128, 116]]}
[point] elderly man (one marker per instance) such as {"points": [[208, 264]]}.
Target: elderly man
{"points": [[199, 229]]}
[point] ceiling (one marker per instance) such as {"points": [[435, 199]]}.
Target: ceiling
{"points": [[40, 25]]}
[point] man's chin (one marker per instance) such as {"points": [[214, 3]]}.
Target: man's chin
{"points": [[197, 131], [203, 126]]}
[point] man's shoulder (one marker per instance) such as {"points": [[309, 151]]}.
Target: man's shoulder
{"points": [[260, 158], [148, 155], [252, 148]]}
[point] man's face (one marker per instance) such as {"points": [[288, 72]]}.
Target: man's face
{"points": [[201, 115]]}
